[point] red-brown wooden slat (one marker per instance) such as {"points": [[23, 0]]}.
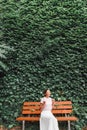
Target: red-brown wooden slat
{"points": [[53, 111], [67, 118], [63, 107], [37, 118], [28, 118], [56, 102], [61, 111], [63, 102], [31, 103], [31, 107], [38, 107], [31, 112]]}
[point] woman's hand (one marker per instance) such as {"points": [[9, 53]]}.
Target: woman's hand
{"points": [[53, 101], [44, 102]]}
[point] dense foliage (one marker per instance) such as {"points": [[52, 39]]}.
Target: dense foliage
{"points": [[4, 50], [50, 42]]}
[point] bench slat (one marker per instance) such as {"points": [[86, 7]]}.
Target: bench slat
{"points": [[63, 102], [38, 118], [67, 118], [56, 102], [32, 103], [53, 111], [61, 111], [31, 112], [38, 107], [30, 107], [62, 107]]}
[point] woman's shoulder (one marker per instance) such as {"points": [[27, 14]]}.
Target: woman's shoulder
{"points": [[42, 98]]}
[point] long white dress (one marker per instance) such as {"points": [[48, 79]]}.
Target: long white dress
{"points": [[47, 119]]}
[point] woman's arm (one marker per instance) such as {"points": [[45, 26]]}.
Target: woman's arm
{"points": [[53, 101], [42, 105]]}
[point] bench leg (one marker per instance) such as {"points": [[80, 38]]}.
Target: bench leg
{"points": [[23, 125], [69, 128]]}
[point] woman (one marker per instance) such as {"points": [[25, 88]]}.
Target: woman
{"points": [[47, 119]]}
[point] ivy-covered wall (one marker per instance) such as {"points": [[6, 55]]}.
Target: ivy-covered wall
{"points": [[50, 42]]}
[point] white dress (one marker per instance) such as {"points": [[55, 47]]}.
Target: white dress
{"points": [[47, 119]]}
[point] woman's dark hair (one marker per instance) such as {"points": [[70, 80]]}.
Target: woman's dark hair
{"points": [[45, 91]]}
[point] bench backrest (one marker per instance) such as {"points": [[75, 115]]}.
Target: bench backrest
{"points": [[60, 107]]}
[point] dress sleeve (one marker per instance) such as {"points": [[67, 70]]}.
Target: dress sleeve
{"points": [[42, 100]]}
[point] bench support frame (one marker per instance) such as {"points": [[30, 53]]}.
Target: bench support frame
{"points": [[23, 125], [69, 127]]}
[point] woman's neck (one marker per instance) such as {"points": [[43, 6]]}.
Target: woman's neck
{"points": [[47, 96]]}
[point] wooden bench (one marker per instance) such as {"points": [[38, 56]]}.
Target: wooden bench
{"points": [[62, 111]]}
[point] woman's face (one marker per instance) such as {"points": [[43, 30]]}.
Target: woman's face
{"points": [[48, 93]]}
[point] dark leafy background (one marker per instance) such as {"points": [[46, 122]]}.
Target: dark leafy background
{"points": [[50, 42]]}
